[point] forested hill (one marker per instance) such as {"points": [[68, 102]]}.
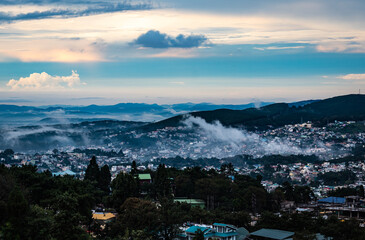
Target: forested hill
{"points": [[341, 108]]}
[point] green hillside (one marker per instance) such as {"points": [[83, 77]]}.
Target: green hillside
{"points": [[348, 107]]}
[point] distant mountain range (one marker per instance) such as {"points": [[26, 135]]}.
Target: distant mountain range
{"points": [[342, 108], [18, 115], [25, 115], [252, 115], [51, 127]]}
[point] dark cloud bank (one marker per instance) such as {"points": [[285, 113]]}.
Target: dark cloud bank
{"points": [[156, 39]]}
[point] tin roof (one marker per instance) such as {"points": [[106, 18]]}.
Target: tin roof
{"points": [[272, 234]]}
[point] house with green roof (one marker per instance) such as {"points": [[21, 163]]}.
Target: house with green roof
{"points": [[271, 234], [144, 178], [218, 231]]}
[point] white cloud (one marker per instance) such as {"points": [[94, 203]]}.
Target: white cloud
{"points": [[243, 141], [39, 81], [278, 48], [352, 76]]}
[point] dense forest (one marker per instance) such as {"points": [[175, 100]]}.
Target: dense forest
{"points": [[41, 206]]}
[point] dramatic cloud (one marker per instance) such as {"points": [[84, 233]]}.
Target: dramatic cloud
{"points": [[7, 17], [218, 132], [38, 81], [156, 39], [354, 77], [244, 142]]}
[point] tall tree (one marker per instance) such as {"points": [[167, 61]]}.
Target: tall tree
{"points": [[124, 186], [288, 190], [137, 214], [134, 168], [172, 216], [92, 171], [162, 182], [67, 218], [184, 186], [104, 179]]}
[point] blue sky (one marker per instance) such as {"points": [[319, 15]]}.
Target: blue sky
{"points": [[169, 51]]}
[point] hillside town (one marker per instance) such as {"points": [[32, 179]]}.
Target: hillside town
{"points": [[322, 184], [327, 143]]}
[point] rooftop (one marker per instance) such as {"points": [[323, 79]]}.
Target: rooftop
{"points": [[273, 234], [194, 229], [144, 176], [332, 200], [224, 225], [103, 216]]}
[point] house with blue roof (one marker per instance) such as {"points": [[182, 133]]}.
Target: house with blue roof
{"points": [[332, 200], [218, 231]]}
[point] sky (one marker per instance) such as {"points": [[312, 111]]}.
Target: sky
{"points": [[81, 52]]}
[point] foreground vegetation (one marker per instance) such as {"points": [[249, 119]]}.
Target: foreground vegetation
{"points": [[41, 206]]}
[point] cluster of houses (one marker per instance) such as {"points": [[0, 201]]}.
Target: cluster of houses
{"points": [[343, 207], [221, 231], [216, 231]]}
